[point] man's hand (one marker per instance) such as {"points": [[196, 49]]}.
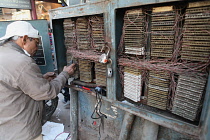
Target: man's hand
{"points": [[49, 76], [70, 69]]}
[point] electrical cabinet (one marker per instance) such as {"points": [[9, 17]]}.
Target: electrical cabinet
{"points": [[158, 52]]}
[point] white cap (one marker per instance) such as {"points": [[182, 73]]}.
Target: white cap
{"points": [[20, 28]]}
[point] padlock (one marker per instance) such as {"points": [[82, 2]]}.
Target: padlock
{"points": [[104, 58]]}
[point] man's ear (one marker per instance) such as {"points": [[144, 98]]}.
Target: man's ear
{"points": [[25, 37]]}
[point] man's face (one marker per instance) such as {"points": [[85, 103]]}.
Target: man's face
{"points": [[31, 45]]}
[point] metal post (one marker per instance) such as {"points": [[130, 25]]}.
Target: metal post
{"points": [[33, 10], [126, 126], [74, 114], [150, 130]]}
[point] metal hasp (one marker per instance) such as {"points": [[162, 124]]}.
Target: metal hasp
{"points": [[129, 119]]}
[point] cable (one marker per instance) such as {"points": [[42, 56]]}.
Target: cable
{"points": [[97, 109], [68, 137]]}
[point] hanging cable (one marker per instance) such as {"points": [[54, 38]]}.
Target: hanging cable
{"points": [[97, 109]]}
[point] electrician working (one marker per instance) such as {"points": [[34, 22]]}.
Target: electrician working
{"points": [[22, 86]]}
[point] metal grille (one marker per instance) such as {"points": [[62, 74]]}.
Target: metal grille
{"points": [[83, 33], [100, 72], [134, 29], [162, 32], [85, 71], [132, 84], [69, 33], [97, 33], [158, 90], [196, 36], [187, 100]]}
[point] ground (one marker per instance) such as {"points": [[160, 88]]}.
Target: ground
{"points": [[62, 115]]}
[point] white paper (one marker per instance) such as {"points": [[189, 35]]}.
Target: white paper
{"points": [[53, 131]]}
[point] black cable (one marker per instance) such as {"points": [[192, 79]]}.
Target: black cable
{"points": [[97, 110]]}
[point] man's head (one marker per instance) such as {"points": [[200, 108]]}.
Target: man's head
{"points": [[27, 36]]}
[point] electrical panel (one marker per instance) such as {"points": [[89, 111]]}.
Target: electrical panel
{"points": [[132, 84], [158, 89], [174, 42], [195, 46], [97, 32], [82, 32], [134, 32], [100, 73], [188, 97], [69, 33], [85, 42], [162, 31], [85, 71]]}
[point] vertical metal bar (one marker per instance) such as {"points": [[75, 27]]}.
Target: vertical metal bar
{"points": [[150, 130], [109, 17], [126, 126], [74, 114], [33, 10]]}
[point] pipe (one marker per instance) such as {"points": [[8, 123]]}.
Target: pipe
{"points": [[150, 130], [33, 10], [126, 126], [74, 114]]}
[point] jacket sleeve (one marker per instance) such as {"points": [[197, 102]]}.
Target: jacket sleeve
{"points": [[32, 83]]}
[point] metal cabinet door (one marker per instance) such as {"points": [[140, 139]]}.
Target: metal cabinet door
{"points": [[43, 56]]}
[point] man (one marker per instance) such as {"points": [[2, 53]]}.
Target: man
{"points": [[22, 86]]}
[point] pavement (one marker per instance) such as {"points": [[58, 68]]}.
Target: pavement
{"points": [[61, 114]]}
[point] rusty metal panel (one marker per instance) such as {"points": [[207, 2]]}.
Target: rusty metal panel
{"points": [[79, 10]]}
